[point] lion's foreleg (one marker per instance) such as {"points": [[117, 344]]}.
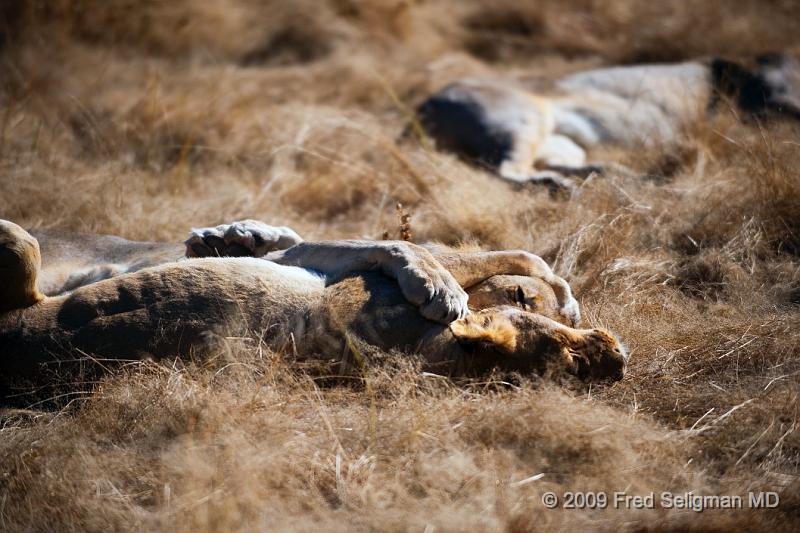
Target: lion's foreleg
{"points": [[471, 268]]}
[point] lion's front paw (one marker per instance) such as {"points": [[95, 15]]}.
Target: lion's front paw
{"points": [[424, 282], [246, 238]]}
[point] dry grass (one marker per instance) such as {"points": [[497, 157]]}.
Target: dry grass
{"points": [[145, 118]]}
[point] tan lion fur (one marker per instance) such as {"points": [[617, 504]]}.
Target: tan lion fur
{"points": [[20, 261], [74, 260], [179, 308]]}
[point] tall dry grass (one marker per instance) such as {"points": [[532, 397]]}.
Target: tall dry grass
{"points": [[146, 118]]}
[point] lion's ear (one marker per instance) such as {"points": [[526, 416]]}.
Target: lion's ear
{"points": [[494, 330]]}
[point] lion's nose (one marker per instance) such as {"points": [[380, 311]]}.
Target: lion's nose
{"points": [[621, 367], [614, 367]]}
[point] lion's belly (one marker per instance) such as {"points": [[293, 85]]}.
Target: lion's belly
{"points": [[159, 312], [372, 307]]}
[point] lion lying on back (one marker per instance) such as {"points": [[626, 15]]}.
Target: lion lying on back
{"points": [[376, 291], [75, 260]]}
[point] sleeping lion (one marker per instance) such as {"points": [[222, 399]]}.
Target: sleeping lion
{"points": [[311, 296], [544, 136], [75, 260]]}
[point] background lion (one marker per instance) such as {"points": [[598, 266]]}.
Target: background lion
{"points": [[544, 136]]}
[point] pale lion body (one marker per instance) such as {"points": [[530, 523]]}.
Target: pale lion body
{"points": [[546, 135]]}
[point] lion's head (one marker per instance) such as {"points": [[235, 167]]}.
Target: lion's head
{"points": [[510, 338], [529, 293]]}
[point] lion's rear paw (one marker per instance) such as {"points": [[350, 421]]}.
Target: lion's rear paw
{"points": [[246, 238]]}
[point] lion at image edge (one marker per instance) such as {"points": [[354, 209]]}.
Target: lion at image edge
{"points": [[308, 292]]}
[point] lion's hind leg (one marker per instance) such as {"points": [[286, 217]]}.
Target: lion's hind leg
{"points": [[20, 263]]}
